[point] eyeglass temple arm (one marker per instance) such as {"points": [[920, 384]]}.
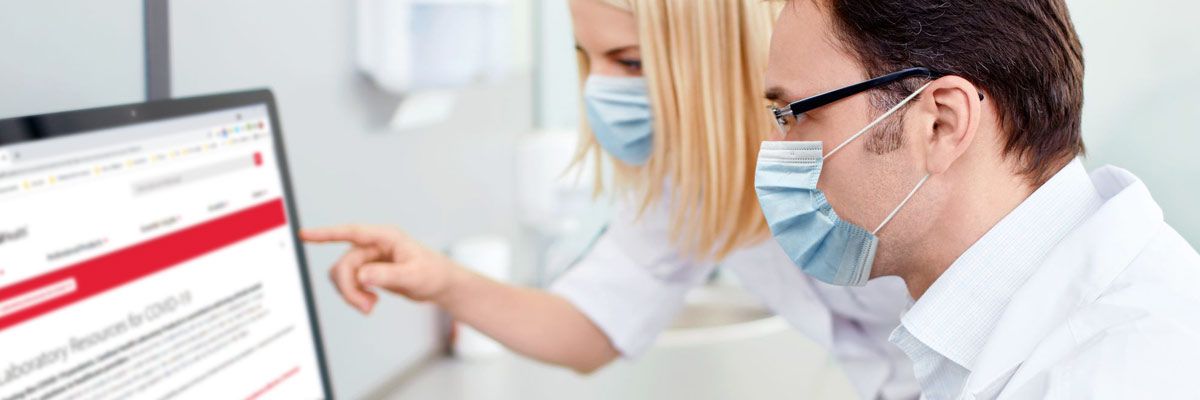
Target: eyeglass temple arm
{"points": [[824, 99]]}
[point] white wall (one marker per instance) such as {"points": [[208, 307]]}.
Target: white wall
{"points": [[557, 72], [67, 54], [440, 183]]}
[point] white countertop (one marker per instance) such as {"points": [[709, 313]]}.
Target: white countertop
{"points": [[779, 365]]}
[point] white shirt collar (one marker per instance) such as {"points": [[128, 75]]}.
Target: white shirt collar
{"points": [[956, 315]]}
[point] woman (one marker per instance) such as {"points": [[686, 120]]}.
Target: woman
{"points": [[671, 93]]}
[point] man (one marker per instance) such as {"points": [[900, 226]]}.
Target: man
{"points": [[945, 136]]}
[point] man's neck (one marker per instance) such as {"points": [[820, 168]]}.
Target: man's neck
{"points": [[980, 200]]}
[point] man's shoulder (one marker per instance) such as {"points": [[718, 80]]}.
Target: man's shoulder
{"points": [[1168, 252], [1160, 289], [1141, 332], [1113, 350], [1163, 277], [1147, 355], [1119, 366]]}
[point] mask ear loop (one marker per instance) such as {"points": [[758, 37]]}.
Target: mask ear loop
{"points": [[877, 121], [902, 203]]}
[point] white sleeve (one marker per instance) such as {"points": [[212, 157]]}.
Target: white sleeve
{"points": [[863, 319], [633, 282], [852, 322]]}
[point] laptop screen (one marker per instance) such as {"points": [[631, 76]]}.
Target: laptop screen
{"points": [[149, 251]]}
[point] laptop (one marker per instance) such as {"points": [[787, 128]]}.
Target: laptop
{"points": [[150, 251]]}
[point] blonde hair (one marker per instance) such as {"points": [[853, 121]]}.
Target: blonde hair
{"points": [[704, 61]]}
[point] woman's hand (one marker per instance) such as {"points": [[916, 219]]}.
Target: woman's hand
{"points": [[386, 258], [532, 322]]}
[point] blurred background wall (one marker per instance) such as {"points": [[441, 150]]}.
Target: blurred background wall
{"points": [[440, 183], [348, 166]]}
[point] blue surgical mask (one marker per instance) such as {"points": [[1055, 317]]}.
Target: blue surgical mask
{"points": [[618, 111], [823, 245]]}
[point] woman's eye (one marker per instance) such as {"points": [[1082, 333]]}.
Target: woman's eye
{"points": [[633, 65]]}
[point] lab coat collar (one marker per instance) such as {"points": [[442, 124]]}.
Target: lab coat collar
{"points": [[957, 313], [1074, 274]]}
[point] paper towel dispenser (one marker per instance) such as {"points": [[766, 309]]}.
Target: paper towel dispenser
{"points": [[413, 45]]}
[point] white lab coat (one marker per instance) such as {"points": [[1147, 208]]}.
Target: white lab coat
{"points": [[633, 281], [1113, 312]]}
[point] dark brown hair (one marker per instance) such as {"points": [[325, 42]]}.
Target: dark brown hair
{"points": [[1024, 54]]}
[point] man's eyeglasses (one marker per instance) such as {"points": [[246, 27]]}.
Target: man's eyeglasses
{"points": [[787, 116]]}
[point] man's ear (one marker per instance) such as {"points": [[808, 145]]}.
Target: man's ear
{"points": [[954, 110]]}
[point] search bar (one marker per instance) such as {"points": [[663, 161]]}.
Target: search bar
{"points": [[197, 174], [15, 156]]}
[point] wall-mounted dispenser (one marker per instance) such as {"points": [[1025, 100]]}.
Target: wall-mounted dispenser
{"points": [[406, 45], [424, 50]]}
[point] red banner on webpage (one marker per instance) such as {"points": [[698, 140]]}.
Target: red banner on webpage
{"points": [[45, 294]]}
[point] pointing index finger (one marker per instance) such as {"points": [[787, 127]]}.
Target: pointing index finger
{"points": [[355, 234]]}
